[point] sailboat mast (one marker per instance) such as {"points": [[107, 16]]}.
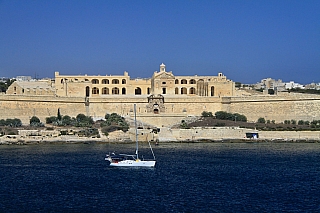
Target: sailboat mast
{"points": [[135, 125]]}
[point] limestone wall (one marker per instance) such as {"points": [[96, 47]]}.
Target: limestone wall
{"points": [[278, 108], [208, 133], [177, 108], [24, 107], [221, 133]]}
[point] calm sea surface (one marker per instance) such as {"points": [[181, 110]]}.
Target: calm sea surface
{"points": [[194, 177]]}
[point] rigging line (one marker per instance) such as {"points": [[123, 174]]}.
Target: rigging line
{"points": [[154, 157]]}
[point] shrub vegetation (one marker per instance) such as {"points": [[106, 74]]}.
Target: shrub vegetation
{"points": [[222, 115], [114, 122]]}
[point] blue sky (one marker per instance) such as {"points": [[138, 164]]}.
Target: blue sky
{"points": [[246, 40]]}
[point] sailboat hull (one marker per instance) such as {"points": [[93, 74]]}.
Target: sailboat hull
{"points": [[133, 163]]}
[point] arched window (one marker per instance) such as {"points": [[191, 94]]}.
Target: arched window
{"points": [[95, 90], [192, 90], [123, 91], [183, 81], [176, 90], [105, 81], [176, 81], [115, 81], [183, 90], [137, 91], [148, 90], [105, 91], [124, 81], [61, 81], [212, 91], [192, 81], [115, 91], [95, 81]]}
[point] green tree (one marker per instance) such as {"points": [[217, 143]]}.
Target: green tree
{"points": [[107, 116], [66, 120], [261, 120], [183, 125], [206, 114], [81, 117], [50, 120], [59, 117], [2, 122], [239, 117], [286, 121], [221, 115], [4, 85], [34, 119], [84, 121], [11, 122], [229, 116], [17, 122], [114, 122]]}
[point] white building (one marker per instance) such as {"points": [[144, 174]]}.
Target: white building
{"points": [[293, 85], [23, 78]]}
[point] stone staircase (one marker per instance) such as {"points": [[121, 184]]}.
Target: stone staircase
{"points": [[142, 124], [188, 120]]}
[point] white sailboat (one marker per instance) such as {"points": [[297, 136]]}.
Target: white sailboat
{"points": [[131, 160]]}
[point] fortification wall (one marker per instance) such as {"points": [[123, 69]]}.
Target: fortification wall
{"points": [[278, 108], [177, 108], [24, 107]]}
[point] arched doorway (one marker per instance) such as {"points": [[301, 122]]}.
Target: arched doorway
{"points": [[212, 91], [87, 91]]}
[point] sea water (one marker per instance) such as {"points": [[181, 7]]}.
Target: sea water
{"points": [[188, 177]]}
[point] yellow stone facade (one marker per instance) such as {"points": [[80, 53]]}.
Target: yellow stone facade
{"points": [[161, 83], [32, 88]]}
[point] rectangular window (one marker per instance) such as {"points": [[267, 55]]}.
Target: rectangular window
{"points": [[164, 90]]}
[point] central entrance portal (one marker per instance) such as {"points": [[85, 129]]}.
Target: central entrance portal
{"points": [[155, 104]]}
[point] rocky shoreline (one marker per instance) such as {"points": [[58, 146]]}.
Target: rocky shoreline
{"points": [[167, 135], [103, 141]]}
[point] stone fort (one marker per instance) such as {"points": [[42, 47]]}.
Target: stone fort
{"points": [[162, 100]]}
